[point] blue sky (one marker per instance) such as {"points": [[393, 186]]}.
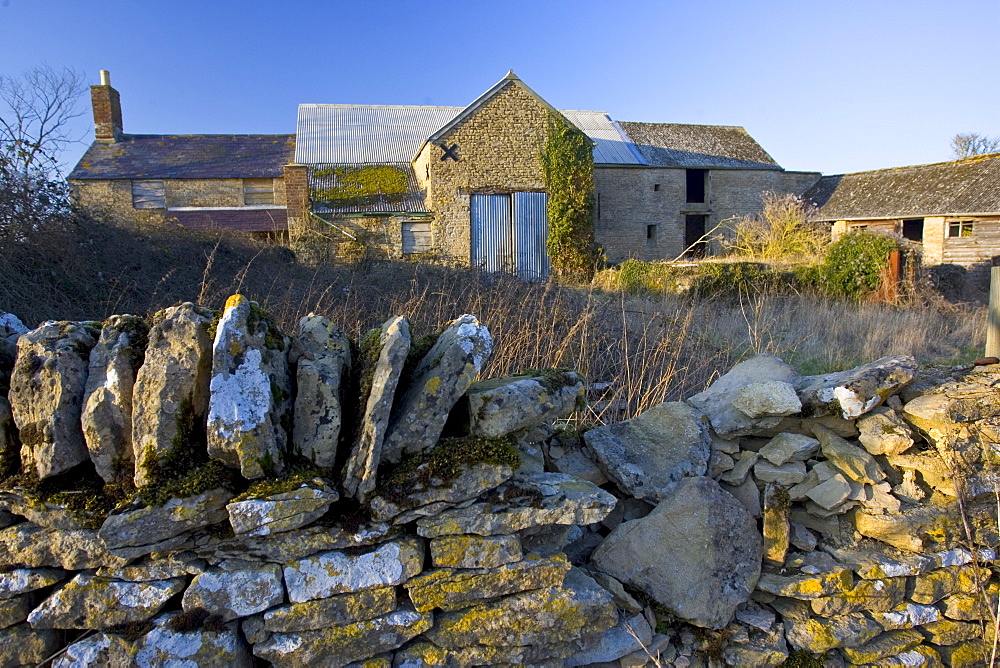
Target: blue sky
{"points": [[824, 86]]}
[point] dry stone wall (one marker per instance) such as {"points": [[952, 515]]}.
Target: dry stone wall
{"points": [[312, 500]]}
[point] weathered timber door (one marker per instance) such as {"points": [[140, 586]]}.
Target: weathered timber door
{"points": [[509, 234]]}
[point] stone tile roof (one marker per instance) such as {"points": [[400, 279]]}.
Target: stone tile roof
{"points": [[186, 157], [697, 146], [964, 186]]}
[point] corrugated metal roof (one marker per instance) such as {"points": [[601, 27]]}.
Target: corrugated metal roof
{"points": [[611, 145], [345, 188], [964, 186], [381, 133], [365, 133]]}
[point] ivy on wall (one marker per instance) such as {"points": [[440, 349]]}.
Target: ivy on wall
{"points": [[338, 187], [568, 168]]}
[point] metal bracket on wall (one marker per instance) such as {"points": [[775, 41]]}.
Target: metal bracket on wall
{"points": [[449, 152]]}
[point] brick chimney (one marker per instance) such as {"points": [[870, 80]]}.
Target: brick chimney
{"points": [[107, 110]]}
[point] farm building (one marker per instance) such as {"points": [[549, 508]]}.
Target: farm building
{"points": [[951, 208], [463, 184]]}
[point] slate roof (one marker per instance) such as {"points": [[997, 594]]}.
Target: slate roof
{"points": [[697, 146], [186, 157], [958, 187]]}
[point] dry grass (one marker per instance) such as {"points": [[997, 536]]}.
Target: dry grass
{"points": [[647, 349]]}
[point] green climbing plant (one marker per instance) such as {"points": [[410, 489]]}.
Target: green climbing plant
{"points": [[568, 167]]}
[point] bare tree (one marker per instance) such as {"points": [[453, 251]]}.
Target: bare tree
{"points": [[35, 113], [968, 144]]}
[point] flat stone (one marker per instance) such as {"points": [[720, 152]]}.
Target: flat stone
{"points": [[932, 587], [14, 610], [22, 645], [921, 655], [286, 511], [791, 473], [340, 645], [948, 632], [37, 547], [702, 578], [786, 447], [501, 406], [971, 607], [876, 561], [854, 462], [366, 456], [770, 398], [250, 391], [46, 513], [539, 617], [235, 589], [90, 602], [171, 388], [46, 395], [470, 551], [717, 401], [136, 533], [968, 654], [884, 432], [629, 635], [719, 463], [647, 455], [101, 649], [836, 581], [107, 399], [330, 573], [867, 595], [339, 610], [907, 616], [163, 646], [176, 565], [18, 581], [884, 646], [880, 497], [857, 391], [422, 653], [579, 465], [819, 635], [622, 599], [532, 500], [292, 545], [801, 537], [762, 650], [929, 528], [439, 380], [747, 494], [321, 373], [742, 466], [831, 493], [448, 589]]}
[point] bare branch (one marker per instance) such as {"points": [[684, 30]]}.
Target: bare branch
{"points": [[968, 144]]}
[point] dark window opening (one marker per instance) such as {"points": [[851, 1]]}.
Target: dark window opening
{"points": [[598, 206], [651, 234], [913, 229], [695, 244], [696, 185], [656, 186]]}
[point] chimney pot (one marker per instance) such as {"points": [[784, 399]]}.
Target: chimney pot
{"points": [[105, 78]]}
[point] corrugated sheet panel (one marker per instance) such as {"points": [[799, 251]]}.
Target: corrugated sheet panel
{"points": [[612, 145], [491, 238], [531, 228], [359, 133], [331, 178]]}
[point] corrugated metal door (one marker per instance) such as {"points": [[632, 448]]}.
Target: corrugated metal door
{"points": [[492, 248], [509, 234], [531, 229]]}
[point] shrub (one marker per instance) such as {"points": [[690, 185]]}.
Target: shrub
{"points": [[732, 279], [637, 277], [854, 264], [782, 230]]}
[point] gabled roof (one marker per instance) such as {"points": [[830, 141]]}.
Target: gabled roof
{"points": [[967, 186], [186, 157], [697, 146]]}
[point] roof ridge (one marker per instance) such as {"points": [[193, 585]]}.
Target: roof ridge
{"points": [[970, 159]]}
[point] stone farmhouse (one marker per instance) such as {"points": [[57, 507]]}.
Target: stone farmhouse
{"points": [[951, 208], [462, 184]]}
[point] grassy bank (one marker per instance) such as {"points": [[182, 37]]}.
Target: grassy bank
{"points": [[648, 348]]}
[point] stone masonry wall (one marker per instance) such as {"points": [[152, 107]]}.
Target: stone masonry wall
{"points": [[205, 489], [499, 150]]}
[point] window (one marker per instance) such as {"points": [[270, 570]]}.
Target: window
{"points": [[149, 194], [913, 229], [656, 187], [697, 189], [258, 192], [651, 235], [960, 228]]}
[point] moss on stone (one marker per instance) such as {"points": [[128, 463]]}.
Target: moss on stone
{"points": [[196, 619], [80, 491], [419, 347], [132, 631], [799, 658], [294, 477], [273, 338]]}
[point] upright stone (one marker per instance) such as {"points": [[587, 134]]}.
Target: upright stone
{"points": [[394, 345], [441, 377], [107, 403], [171, 389], [324, 362], [698, 553], [46, 395], [776, 526], [250, 395]]}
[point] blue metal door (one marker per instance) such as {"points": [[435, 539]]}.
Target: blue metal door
{"points": [[509, 234]]}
